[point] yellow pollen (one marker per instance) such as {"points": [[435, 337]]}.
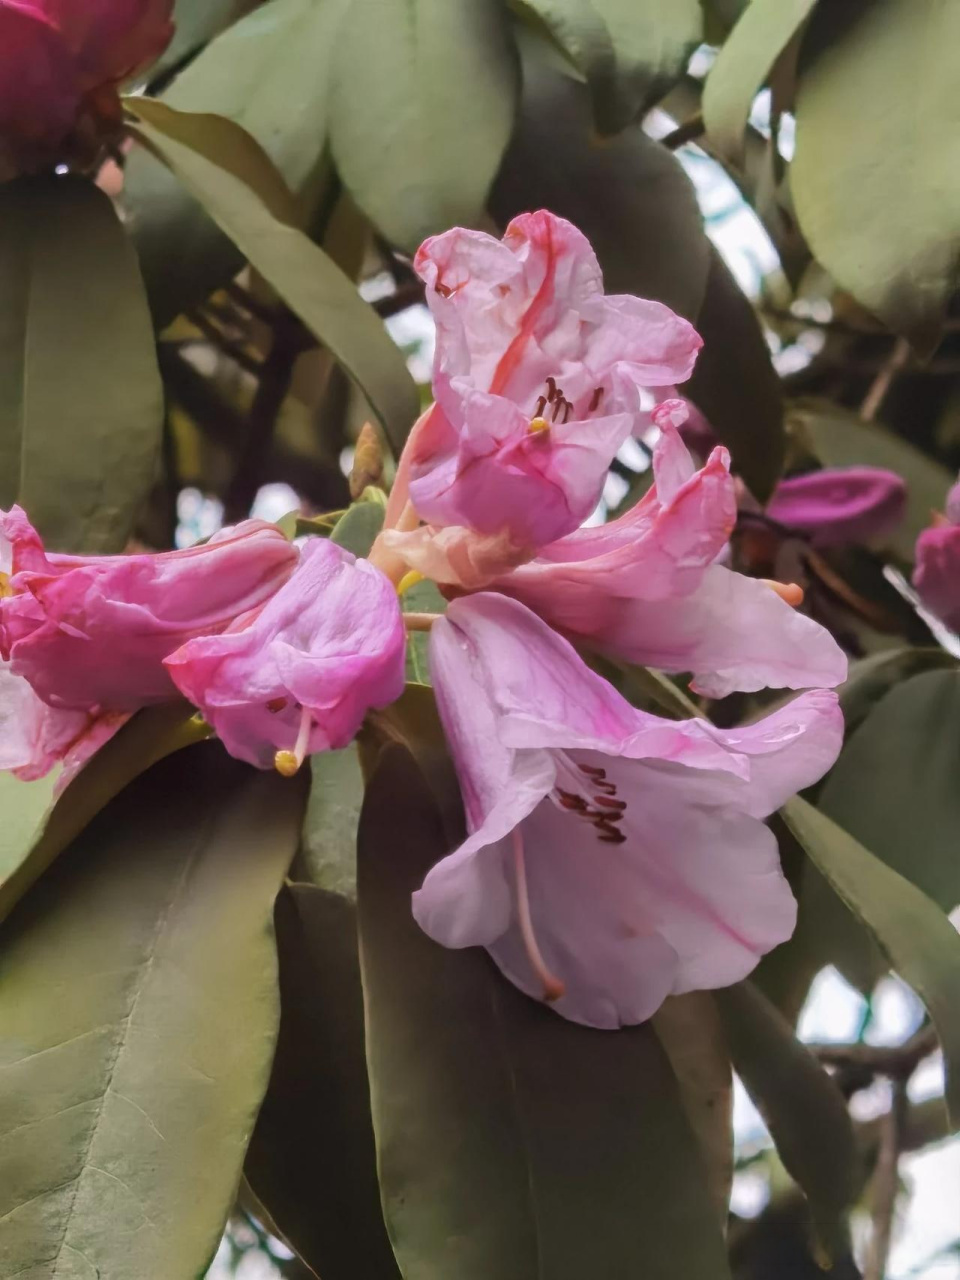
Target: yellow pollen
{"points": [[409, 580], [286, 763], [5, 587], [537, 425]]}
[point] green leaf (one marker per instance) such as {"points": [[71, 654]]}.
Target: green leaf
{"points": [[422, 597], [894, 789], [629, 196], [234, 180], [876, 101], [30, 847], [81, 404], [803, 1109], [195, 23], [742, 66], [689, 1028], [511, 1143], [872, 678], [422, 107], [735, 384], [358, 527], [139, 1011], [630, 51], [275, 57], [312, 1160], [24, 806], [328, 852], [916, 937], [839, 439]]}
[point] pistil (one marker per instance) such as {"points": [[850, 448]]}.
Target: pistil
{"points": [[289, 762], [553, 988]]}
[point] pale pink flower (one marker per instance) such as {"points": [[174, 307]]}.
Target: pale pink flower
{"points": [[35, 737], [647, 588], [60, 64], [298, 675], [91, 632], [614, 858], [537, 380], [936, 574]]}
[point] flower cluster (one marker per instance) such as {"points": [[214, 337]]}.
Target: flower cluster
{"points": [[60, 64], [613, 857]]}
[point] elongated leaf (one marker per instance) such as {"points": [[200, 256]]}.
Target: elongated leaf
{"points": [[629, 196], [742, 66], [139, 1011], [312, 1160], [147, 738], [196, 22], [24, 806], [235, 182], [894, 789], [871, 679], [803, 1109], [630, 51], [877, 96], [252, 74], [911, 930], [735, 384], [422, 108], [511, 1143], [840, 439], [328, 853], [80, 397], [690, 1030]]}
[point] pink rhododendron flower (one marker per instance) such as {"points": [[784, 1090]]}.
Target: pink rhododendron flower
{"points": [[646, 588], [35, 737], [537, 379], [936, 574], [91, 632], [60, 64], [614, 858], [299, 674]]}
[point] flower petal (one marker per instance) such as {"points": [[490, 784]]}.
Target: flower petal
{"points": [[937, 572], [839, 506]]}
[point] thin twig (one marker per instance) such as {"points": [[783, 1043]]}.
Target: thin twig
{"points": [[689, 131], [886, 1184], [881, 383], [897, 1061]]}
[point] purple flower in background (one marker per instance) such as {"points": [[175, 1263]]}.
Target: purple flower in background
{"points": [[936, 574], [840, 506], [614, 858]]}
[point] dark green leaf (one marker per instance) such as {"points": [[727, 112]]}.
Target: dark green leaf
{"points": [[312, 1160], [872, 678], [139, 1011], [629, 196], [803, 1109], [877, 98], [234, 180], [511, 1142], [742, 67], [81, 405], [358, 527], [914, 934], [328, 852], [268, 73], [630, 51], [735, 384], [838, 439], [894, 789], [149, 736], [421, 110]]}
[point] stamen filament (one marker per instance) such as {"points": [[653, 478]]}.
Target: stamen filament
{"points": [[553, 988], [288, 762]]}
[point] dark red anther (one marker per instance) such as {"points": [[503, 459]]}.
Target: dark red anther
{"points": [[276, 704], [595, 399], [551, 390], [571, 801], [609, 803], [558, 404], [592, 771], [541, 405], [610, 835]]}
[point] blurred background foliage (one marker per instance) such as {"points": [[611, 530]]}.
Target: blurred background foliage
{"points": [[784, 173]]}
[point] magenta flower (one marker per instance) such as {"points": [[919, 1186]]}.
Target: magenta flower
{"points": [[840, 506], [936, 574], [647, 588], [614, 858], [90, 633], [537, 379], [34, 737], [60, 64], [298, 675]]}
